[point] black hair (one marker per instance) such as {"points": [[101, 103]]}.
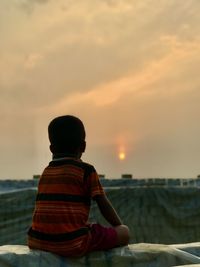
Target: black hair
{"points": [[66, 134]]}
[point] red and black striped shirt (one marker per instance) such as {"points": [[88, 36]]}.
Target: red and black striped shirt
{"points": [[60, 218]]}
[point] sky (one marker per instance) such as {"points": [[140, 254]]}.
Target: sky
{"points": [[129, 69]]}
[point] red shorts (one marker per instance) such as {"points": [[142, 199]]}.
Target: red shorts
{"points": [[102, 237]]}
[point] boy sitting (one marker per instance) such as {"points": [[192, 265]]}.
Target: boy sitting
{"points": [[67, 185]]}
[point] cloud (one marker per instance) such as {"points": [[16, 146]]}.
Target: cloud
{"points": [[168, 70], [88, 46]]}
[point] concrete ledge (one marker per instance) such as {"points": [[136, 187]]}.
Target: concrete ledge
{"points": [[137, 255]]}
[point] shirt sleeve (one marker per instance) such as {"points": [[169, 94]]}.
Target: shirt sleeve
{"points": [[94, 184]]}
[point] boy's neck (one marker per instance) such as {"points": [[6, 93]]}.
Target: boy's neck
{"points": [[66, 155]]}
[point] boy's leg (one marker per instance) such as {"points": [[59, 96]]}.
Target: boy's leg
{"points": [[123, 235], [103, 237]]}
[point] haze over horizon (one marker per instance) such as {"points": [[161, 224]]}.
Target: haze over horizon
{"points": [[128, 69]]}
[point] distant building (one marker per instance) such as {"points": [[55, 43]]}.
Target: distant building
{"points": [[127, 176], [36, 176], [102, 176]]}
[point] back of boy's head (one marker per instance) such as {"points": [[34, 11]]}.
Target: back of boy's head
{"points": [[66, 134]]}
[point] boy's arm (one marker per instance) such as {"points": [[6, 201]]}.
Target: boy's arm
{"points": [[107, 210]]}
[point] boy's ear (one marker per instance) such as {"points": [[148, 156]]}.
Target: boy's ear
{"points": [[83, 146]]}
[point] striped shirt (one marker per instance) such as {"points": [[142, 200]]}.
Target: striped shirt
{"points": [[60, 218]]}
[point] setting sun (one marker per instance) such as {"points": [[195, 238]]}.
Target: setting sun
{"points": [[122, 155]]}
